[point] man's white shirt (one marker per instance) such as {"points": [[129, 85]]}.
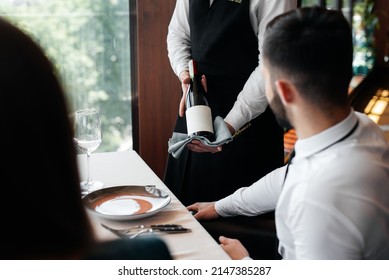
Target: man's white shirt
{"points": [[334, 203]]}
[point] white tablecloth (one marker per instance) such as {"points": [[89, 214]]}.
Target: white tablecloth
{"points": [[128, 168]]}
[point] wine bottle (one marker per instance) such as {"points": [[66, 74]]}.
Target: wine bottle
{"points": [[198, 113]]}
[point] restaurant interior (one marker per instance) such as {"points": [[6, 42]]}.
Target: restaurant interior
{"points": [[156, 93], [154, 116], [369, 93]]}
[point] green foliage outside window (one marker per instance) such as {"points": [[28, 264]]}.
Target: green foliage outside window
{"points": [[88, 41], [364, 24]]}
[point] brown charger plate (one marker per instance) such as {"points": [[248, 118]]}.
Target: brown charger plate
{"points": [[126, 202]]}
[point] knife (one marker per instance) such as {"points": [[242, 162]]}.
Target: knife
{"points": [[171, 229], [165, 226]]}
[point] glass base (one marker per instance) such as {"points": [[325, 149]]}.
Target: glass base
{"points": [[92, 186]]}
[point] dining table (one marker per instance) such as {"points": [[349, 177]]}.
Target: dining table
{"points": [[127, 168]]}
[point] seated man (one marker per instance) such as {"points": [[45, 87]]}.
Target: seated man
{"points": [[332, 200]]}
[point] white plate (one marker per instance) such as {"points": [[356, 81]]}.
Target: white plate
{"points": [[126, 202]]}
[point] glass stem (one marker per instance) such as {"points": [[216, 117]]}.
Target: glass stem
{"points": [[89, 180]]}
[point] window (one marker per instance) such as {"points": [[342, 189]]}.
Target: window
{"points": [[363, 20], [343, 5], [88, 41]]}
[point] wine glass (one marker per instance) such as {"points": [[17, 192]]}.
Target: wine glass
{"points": [[87, 136]]}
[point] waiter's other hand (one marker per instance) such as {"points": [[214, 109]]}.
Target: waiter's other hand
{"points": [[199, 147], [205, 210], [185, 81]]}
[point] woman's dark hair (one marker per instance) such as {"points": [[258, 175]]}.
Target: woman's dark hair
{"points": [[312, 47], [43, 214]]}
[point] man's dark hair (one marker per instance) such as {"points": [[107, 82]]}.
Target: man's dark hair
{"points": [[313, 48]]}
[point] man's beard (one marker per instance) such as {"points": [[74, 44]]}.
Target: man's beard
{"points": [[279, 111]]}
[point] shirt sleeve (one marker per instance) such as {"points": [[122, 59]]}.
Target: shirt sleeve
{"points": [[252, 101], [178, 38], [259, 198]]}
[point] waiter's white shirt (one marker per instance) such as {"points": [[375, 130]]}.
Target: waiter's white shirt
{"points": [[252, 100], [334, 203]]}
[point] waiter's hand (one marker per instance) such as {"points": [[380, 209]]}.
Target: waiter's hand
{"points": [[199, 147], [185, 81]]}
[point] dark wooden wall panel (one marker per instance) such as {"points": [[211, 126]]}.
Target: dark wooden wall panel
{"points": [[158, 89]]}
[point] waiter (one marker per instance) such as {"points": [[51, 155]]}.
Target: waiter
{"points": [[224, 37]]}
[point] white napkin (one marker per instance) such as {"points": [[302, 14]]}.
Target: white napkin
{"points": [[178, 140]]}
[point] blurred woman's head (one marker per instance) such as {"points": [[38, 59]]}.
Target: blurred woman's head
{"points": [[43, 215]]}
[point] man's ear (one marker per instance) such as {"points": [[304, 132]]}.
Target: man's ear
{"points": [[285, 90]]}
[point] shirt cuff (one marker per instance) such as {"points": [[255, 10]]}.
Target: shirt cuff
{"points": [[235, 119], [223, 207]]}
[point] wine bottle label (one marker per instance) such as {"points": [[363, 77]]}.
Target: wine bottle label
{"points": [[199, 118]]}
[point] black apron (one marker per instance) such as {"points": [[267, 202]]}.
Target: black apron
{"points": [[226, 50]]}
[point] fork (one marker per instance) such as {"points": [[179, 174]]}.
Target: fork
{"points": [[120, 233], [168, 228], [124, 231], [149, 230]]}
